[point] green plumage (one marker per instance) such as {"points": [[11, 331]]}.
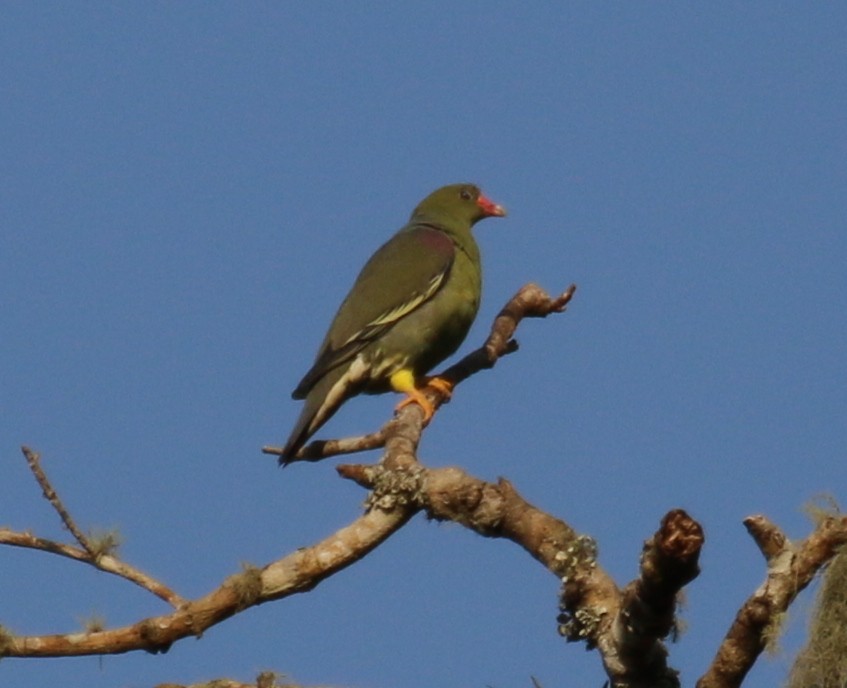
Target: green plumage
{"points": [[409, 309]]}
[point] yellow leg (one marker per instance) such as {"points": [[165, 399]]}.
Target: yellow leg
{"points": [[403, 381]]}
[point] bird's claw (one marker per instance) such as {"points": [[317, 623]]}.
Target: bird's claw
{"points": [[419, 398], [442, 385]]}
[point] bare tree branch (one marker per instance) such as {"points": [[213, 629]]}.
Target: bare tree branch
{"points": [[322, 449], [626, 627], [267, 679], [33, 459], [104, 562], [100, 554], [531, 301], [791, 567], [669, 561], [300, 571]]}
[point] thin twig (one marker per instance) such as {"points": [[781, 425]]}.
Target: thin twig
{"points": [[105, 562], [322, 449], [34, 461]]}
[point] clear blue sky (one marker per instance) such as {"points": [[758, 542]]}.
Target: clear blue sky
{"points": [[188, 190]]}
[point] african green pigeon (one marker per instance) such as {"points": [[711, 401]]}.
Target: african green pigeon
{"points": [[410, 308]]}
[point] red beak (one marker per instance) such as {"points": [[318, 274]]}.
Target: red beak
{"points": [[490, 208]]}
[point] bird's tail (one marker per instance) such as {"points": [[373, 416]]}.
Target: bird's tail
{"points": [[322, 401]]}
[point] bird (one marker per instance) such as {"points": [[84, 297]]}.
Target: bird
{"points": [[409, 309]]}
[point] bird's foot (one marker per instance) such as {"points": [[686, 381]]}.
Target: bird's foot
{"points": [[442, 385], [417, 397]]}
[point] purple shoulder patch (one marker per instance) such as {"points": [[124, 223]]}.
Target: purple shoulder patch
{"points": [[436, 241]]}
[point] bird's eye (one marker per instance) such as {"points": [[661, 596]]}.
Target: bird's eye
{"points": [[466, 194]]}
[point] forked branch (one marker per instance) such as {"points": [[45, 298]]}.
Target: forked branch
{"points": [[791, 567], [97, 552], [626, 625], [297, 572]]}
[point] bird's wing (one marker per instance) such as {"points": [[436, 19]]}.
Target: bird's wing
{"points": [[404, 273]]}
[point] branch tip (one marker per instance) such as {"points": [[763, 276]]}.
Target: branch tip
{"points": [[33, 459], [361, 475], [768, 537]]}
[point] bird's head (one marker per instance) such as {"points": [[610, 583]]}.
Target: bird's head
{"points": [[457, 203]]}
